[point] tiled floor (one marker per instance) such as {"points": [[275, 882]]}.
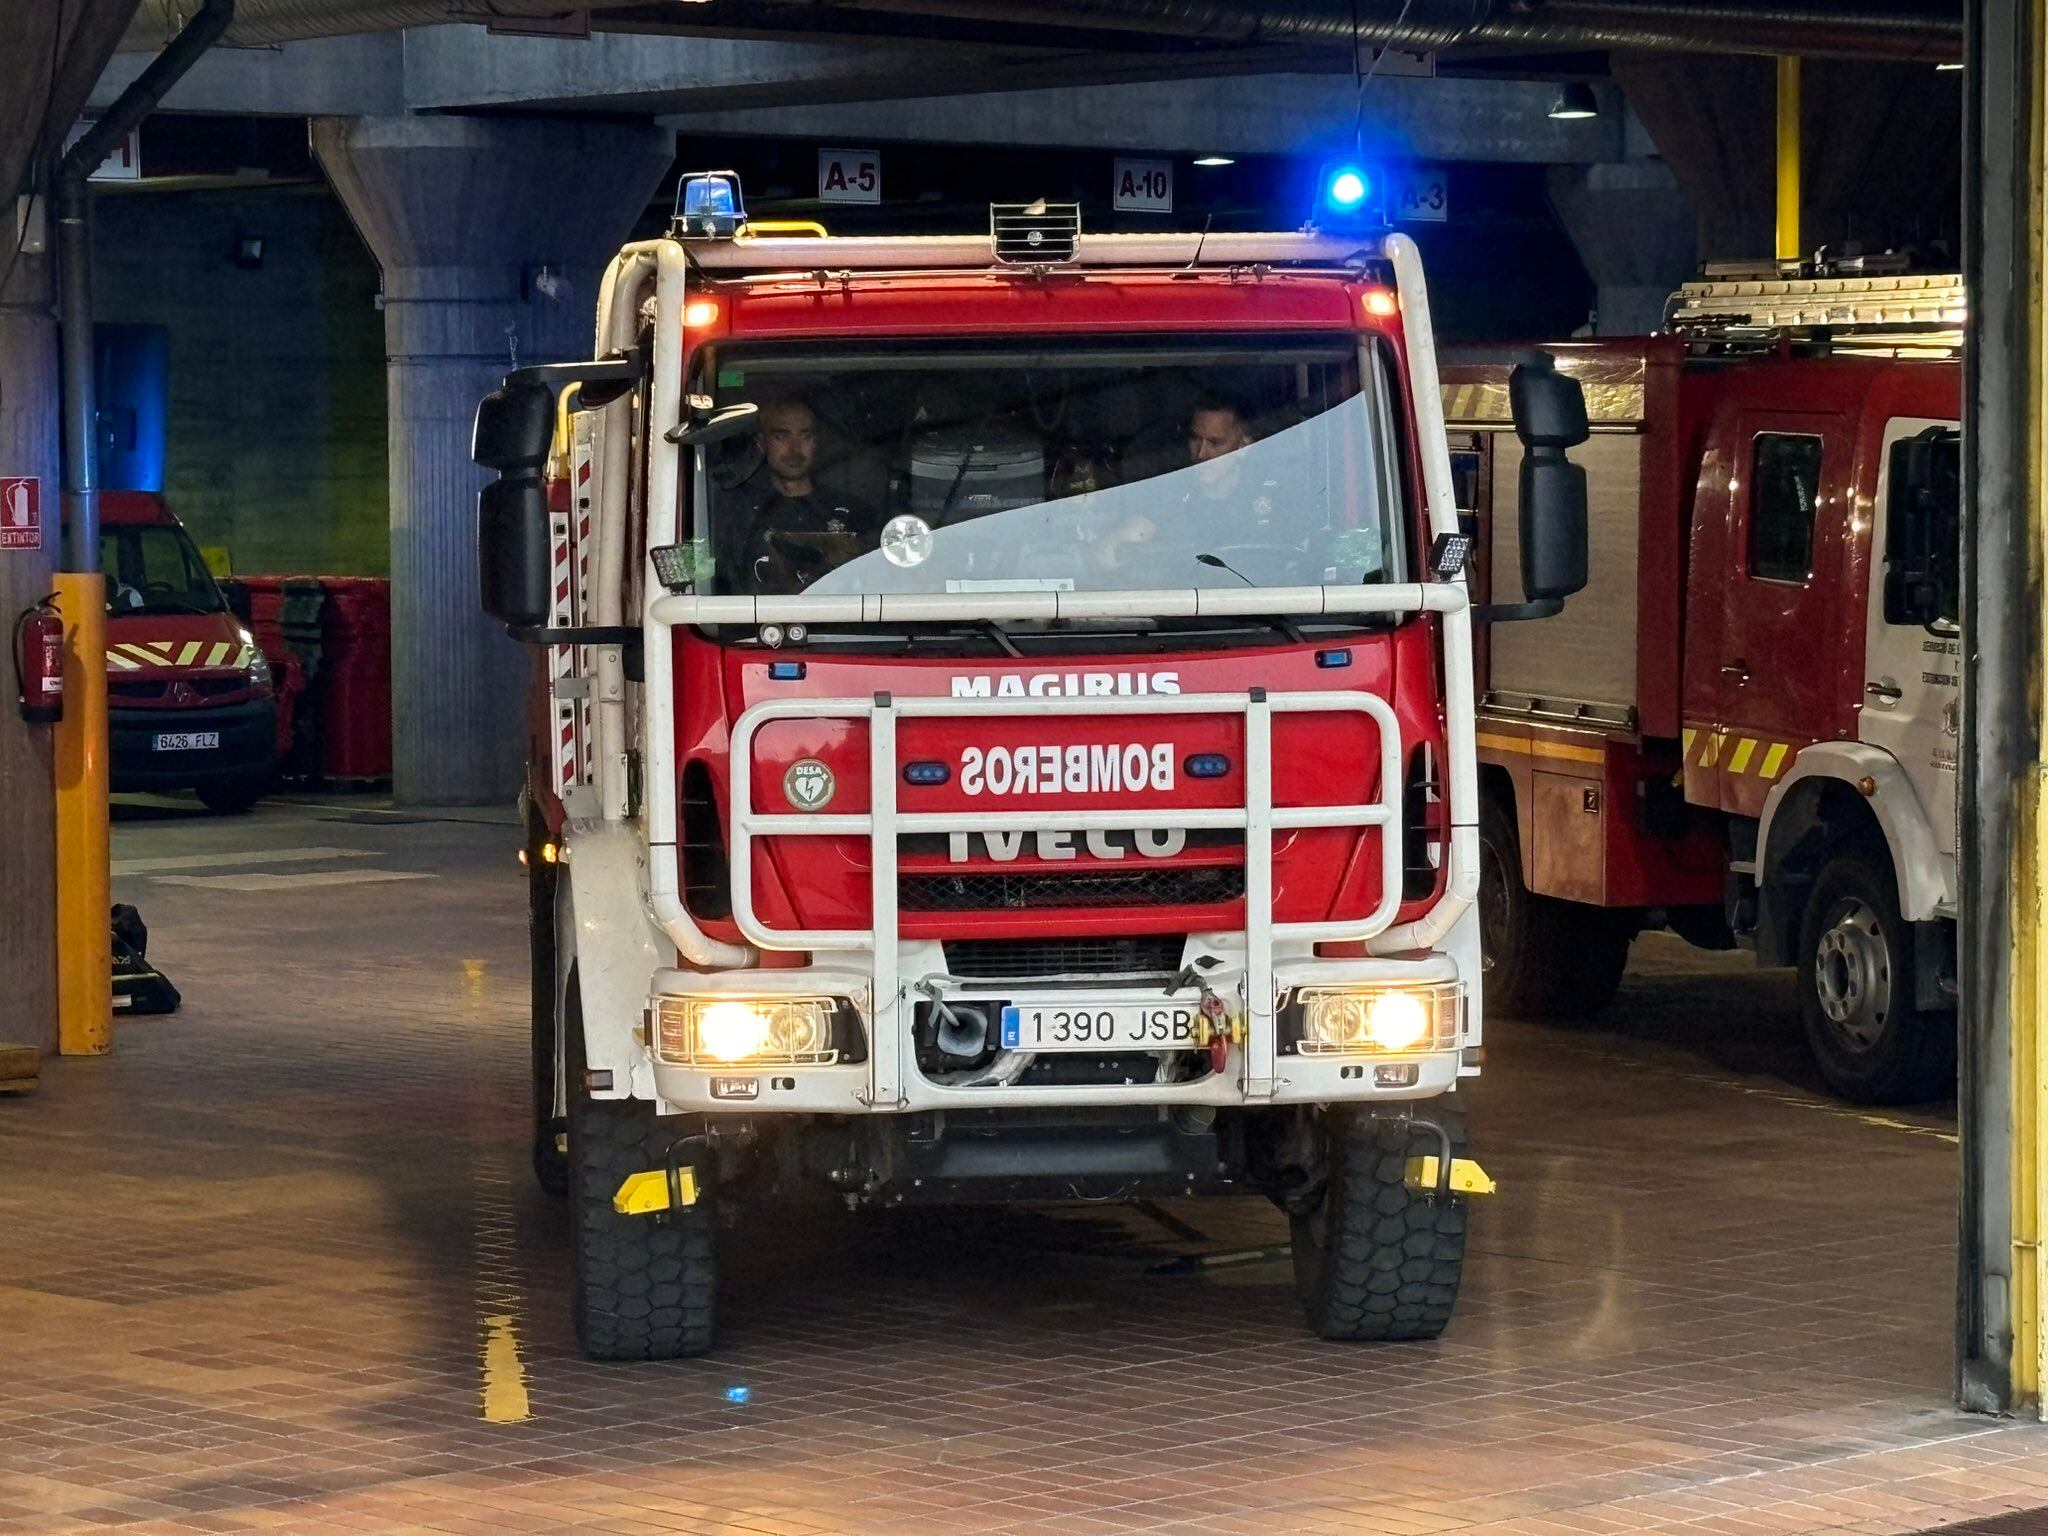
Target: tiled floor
{"points": [[277, 1264]]}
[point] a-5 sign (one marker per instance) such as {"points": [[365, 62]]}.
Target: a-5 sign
{"points": [[849, 176]]}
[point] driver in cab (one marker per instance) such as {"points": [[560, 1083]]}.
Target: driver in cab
{"points": [[791, 531], [1221, 506]]}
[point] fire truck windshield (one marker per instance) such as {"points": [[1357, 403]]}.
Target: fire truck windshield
{"points": [[1077, 465]]}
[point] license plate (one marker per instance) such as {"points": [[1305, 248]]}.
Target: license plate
{"points": [[1110, 1026], [187, 741]]}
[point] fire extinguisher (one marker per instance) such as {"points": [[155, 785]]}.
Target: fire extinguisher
{"points": [[39, 662]]}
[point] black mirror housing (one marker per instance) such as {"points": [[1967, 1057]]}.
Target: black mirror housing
{"points": [[513, 551], [1549, 411], [515, 427]]}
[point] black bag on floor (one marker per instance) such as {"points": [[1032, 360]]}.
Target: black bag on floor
{"points": [[146, 989]]}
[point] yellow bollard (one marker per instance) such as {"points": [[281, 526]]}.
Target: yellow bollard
{"points": [[85, 945]]}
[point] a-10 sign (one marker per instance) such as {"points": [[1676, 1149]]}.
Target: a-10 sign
{"points": [[1142, 186]]}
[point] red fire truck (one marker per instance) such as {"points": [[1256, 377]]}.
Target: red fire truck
{"points": [[1005, 732], [1745, 729]]}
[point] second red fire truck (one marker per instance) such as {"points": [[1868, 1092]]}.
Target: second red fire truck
{"points": [[1745, 729], [1006, 733]]}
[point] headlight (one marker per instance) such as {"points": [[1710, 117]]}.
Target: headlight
{"points": [[259, 671], [731, 1030], [1380, 1020]]}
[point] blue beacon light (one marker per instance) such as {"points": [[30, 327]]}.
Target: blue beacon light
{"points": [[1347, 187]]}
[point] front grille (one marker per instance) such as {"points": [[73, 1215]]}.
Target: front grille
{"points": [[1144, 956], [995, 891], [159, 691]]}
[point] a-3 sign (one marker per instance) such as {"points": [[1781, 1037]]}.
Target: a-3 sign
{"points": [[21, 512], [1422, 195]]}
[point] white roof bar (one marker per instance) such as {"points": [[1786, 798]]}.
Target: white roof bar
{"points": [[1912, 299], [911, 253]]}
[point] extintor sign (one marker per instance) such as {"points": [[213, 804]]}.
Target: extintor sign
{"points": [[21, 512]]}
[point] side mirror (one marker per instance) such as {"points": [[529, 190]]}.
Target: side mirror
{"points": [[1549, 410], [1923, 530], [515, 427]]}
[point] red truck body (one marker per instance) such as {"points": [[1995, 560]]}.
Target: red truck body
{"points": [[1717, 682]]}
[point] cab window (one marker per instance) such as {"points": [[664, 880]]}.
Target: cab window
{"points": [[1784, 477]]}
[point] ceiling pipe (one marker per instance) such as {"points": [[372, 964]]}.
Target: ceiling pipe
{"points": [[1926, 31], [1900, 29]]}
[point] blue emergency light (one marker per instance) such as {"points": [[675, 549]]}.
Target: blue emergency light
{"points": [[1346, 193], [1347, 188], [709, 206]]}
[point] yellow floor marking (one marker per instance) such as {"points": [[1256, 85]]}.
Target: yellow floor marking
{"points": [[1743, 749], [1774, 760], [502, 1393], [504, 1376]]}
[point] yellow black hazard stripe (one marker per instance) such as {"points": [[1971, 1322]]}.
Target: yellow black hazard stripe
{"points": [[1735, 754], [133, 655]]}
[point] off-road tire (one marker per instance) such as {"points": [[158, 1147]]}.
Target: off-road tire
{"points": [[1545, 959], [232, 797], [645, 1285], [1374, 1259], [1906, 1055], [550, 1162]]}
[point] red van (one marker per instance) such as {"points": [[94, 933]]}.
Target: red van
{"points": [[189, 700]]}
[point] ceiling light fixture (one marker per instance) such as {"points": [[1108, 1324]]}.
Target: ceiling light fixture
{"points": [[1575, 100]]}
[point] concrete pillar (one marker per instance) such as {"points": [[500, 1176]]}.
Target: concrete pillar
{"points": [[49, 57], [28, 446], [1635, 231], [462, 214]]}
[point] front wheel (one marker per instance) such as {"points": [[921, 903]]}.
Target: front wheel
{"points": [[1543, 959], [1857, 988], [645, 1285], [1374, 1259], [231, 797]]}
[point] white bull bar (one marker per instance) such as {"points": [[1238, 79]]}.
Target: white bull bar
{"points": [[883, 824]]}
